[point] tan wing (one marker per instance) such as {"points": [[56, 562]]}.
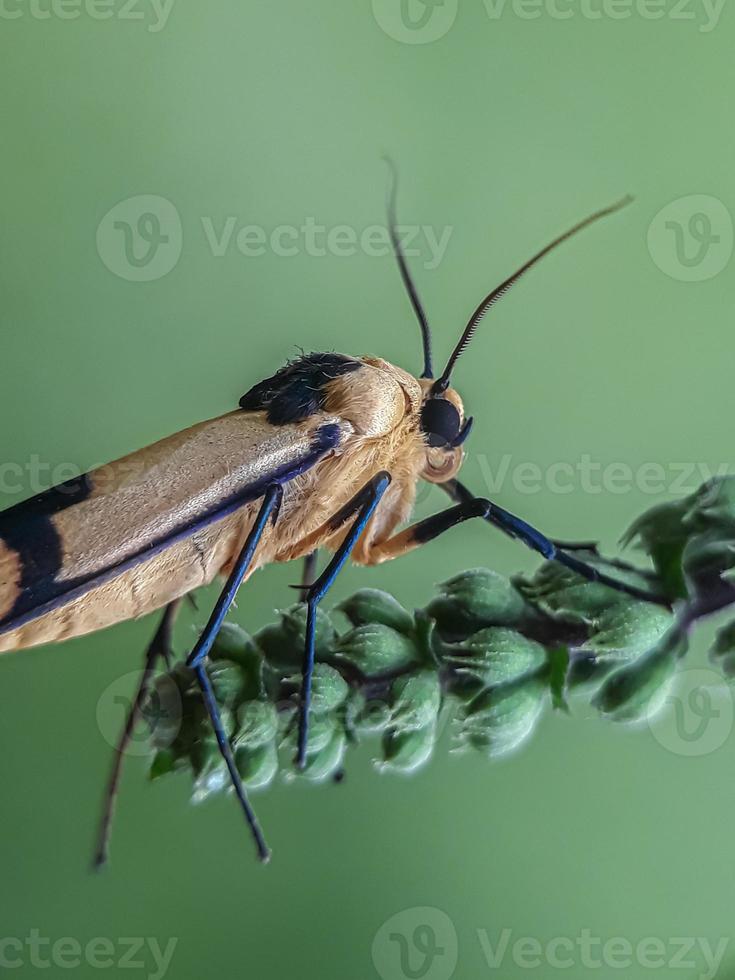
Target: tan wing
{"points": [[148, 508]]}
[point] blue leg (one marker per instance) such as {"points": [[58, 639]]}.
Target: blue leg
{"points": [[308, 574], [363, 504], [268, 511], [514, 527]]}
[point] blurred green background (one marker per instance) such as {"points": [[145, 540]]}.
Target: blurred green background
{"points": [[506, 129]]}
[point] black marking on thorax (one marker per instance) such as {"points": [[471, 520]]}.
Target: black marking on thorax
{"points": [[298, 390]]}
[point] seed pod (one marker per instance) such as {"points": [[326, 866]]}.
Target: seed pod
{"points": [[228, 681], [722, 652], [627, 630], [375, 606], [321, 730], [619, 635], [406, 751], [329, 689], [234, 643], [501, 718], [257, 765], [637, 690], [279, 648], [256, 723], [565, 596], [477, 598], [376, 649], [162, 710], [283, 643], [495, 654], [321, 765], [415, 701], [365, 717]]}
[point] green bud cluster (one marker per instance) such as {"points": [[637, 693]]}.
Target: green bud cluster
{"points": [[482, 661]]}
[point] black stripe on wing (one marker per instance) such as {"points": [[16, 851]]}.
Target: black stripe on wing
{"points": [[46, 594], [28, 530]]}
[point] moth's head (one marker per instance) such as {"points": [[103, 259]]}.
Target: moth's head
{"points": [[445, 428]]}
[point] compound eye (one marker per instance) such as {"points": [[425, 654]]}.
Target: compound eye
{"points": [[440, 422]]}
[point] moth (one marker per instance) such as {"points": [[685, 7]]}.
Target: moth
{"points": [[324, 455]]}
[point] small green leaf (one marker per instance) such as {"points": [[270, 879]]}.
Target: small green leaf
{"points": [[558, 667], [661, 533]]}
